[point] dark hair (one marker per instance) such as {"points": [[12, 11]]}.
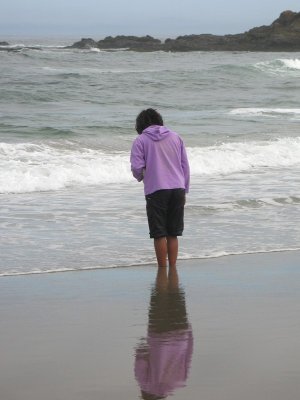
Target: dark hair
{"points": [[147, 118]]}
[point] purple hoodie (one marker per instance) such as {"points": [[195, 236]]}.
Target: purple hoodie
{"points": [[159, 158]]}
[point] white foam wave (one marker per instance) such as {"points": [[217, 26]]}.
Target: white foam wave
{"points": [[95, 50], [237, 157], [52, 46], [26, 167], [279, 66], [269, 112], [291, 63], [117, 50], [33, 45], [13, 46]]}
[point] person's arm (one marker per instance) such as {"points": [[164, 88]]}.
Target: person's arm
{"points": [[137, 160], [185, 167]]}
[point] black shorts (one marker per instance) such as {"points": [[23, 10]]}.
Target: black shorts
{"points": [[165, 212]]}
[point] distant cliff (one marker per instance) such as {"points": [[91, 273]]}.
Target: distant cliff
{"points": [[282, 35]]}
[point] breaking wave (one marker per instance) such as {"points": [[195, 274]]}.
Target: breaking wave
{"points": [[27, 167], [238, 157], [266, 112], [279, 66]]}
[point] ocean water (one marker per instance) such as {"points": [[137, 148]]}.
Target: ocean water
{"points": [[67, 197]]}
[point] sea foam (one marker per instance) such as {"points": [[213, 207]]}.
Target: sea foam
{"points": [[237, 157], [29, 167], [229, 158], [26, 167], [291, 63], [279, 66], [268, 112]]}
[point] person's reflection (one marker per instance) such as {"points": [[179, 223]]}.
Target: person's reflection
{"points": [[162, 360]]}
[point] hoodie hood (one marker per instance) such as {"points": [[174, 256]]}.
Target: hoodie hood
{"points": [[156, 132]]}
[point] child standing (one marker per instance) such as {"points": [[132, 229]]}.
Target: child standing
{"points": [[158, 158]]}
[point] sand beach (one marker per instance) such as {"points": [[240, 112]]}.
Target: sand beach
{"points": [[81, 335]]}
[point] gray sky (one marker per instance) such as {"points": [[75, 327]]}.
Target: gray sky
{"points": [[160, 18]]}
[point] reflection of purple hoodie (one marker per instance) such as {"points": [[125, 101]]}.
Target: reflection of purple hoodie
{"points": [[162, 365], [159, 158]]}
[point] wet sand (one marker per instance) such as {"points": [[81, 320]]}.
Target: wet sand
{"points": [[110, 334]]}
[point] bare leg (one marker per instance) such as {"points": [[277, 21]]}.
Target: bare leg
{"points": [[161, 251], [172, 246]]}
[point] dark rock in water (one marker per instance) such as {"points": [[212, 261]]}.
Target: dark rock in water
{"points": [[204, 42], [4, 44], [144, 43], [282, 35], [84, 44]]}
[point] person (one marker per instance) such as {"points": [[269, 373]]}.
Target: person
{"points": [[159, 159]]}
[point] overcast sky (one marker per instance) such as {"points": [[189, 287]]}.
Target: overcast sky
{"points": [[160, 18]]}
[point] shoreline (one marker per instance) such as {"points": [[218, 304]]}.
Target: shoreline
{"points": [[146, 264]]}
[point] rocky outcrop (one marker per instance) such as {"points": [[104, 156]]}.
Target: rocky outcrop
{"points": [[4, 44], [282, 35], [204, 42], [84, 44], [144, 43], [136, 43]]}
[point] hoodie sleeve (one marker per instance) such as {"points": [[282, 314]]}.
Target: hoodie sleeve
{"points": [[185, 167], [137, 160]]}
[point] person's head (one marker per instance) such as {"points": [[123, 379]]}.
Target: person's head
{"points": [[147, 118]]}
